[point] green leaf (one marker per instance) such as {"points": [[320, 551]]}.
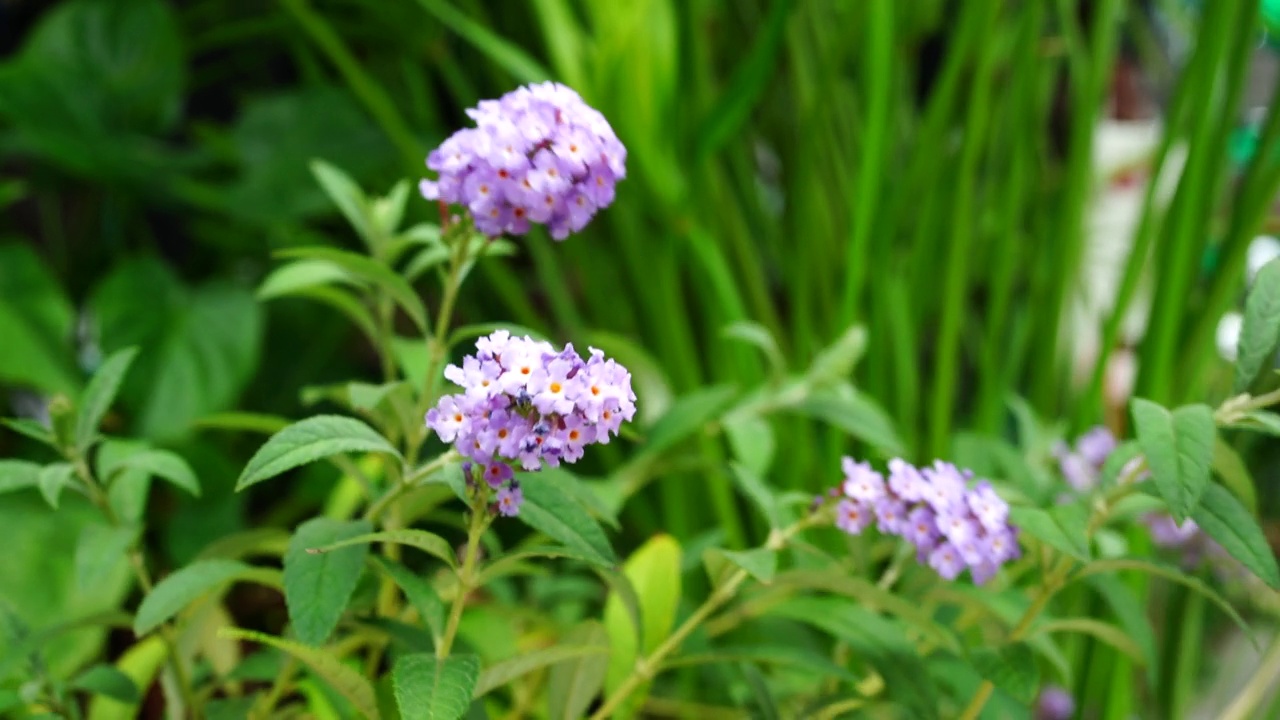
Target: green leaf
{"points": [[760, 563], [835, 363], [752, 441], [502, 673], [18, 475], [372, 271], [52, 479], [689, 414], [847, 409], [573, 683], [576, 488], [1011, 668], [347, 195], [388, 211], [1263, 421], [1228, 465], [426, 541], [309, 440], [510, 57], [767, 706], [291, 278], [163, 464], [1106, 632], [654, 571], [419, 593], [346, 303], [107, 680], [1224, 519], [99, 395], [550, 511], [759, 493], [515, 561], [318, 586], [1118, 460], [1179, 451], [100, 550], [175, 592], [1260, 331], [758, 336], [348, 682], [31, 429], [36, 321], [1042, 526], [1167, 572], [262, 423], [427, 688], [1131, 614]]}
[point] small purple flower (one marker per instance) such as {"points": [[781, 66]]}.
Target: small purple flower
{"points": [[891, 515], [1167, 532], [538, 154], [861, 482], [497, 474], [1096, 445], [509, 500], [921, 528], [853, 517], [946, 560], [944, 487], [988, 507], [1055, 703], [905, 480]]}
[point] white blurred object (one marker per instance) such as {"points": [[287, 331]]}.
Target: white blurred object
{"points": [[1228, 336], [1262, 250]]}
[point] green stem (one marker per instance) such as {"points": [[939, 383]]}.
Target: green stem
{"points": [[409, 482], [467, 575], [647, 666]]}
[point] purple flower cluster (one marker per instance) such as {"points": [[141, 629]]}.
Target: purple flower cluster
{"points": [[538, 154], [1194, 544], [952, 525], [1082, 465], [525, 402]]}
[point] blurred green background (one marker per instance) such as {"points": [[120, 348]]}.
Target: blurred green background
{"points": [[923, 170]]}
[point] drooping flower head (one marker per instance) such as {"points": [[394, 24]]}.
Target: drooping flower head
{"points": [[538, 154], [525, 402], [952, 525]]}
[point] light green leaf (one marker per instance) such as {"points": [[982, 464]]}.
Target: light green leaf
{"points": [[32, 429], [107, 680], [1106, 632], [346, 303], [1228, 465], [752, 441], [348, 682], [573, 683], [36, 323], [654, 571], [347, 195], [758, 336], [289, 279], [1263, 421], [99, 395], [419, 593], [853, 412], [318, 586], [388, 211], [180, 589], [1260, 331], [18, 475], [1222, 516], [759, 493], [835, 363], [373, 271], [309, 440], [100, 550], [1179, 450], [427, 688], [426, 541], [1011, 668], [52, 479], [550, 511], [1042, 526], [760, 563], [688, 415], [502, 673], [137, 456], [1167, 572]]}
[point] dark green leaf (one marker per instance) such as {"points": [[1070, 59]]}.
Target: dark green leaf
{"points": [[1179, 450], [348, 682], [427, 688], [107, 680], [1260, 331], [1011, 668], [180, 589], [299, 275], [99, 395], [768, 708], [550, 511], [318, 586], [1222, 516], [419, 592], [309, 440]]}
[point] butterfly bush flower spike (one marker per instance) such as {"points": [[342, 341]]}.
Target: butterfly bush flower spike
{"points": [[525, 402], [538, 154], [953, 526]]}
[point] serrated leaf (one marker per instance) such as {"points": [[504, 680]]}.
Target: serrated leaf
{"points": [[372, 271], [760, 563], [309, 440], [99, 395], [420, 594], [572, 684], [1260, 330], [100, 549], [1179, 451], [176, 591], [291, 278], [1011, 668], [347, 195], [550, 511], [52, 479], [426, 541], [428, 688], [108, 681], [18, 475], [348, 682], [502, 673], [1227, 521], [1042, 526], [853, 412], [654, 571], [318, 586]]}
